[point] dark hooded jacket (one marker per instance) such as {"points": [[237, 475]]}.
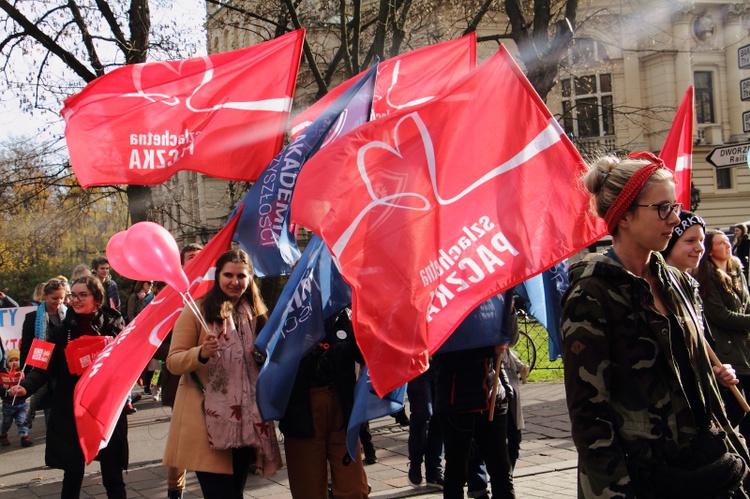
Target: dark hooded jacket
{"points": [[63, 450]]}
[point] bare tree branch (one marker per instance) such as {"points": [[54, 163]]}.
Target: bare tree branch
{"points": [[88, 42], [114, 26], [32, 30], [306, 48]]}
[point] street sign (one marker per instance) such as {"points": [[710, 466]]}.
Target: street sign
{"points": [[743, 56], [731, 155], [745, 89], [746, 122]]}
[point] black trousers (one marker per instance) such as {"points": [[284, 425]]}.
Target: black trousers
{"points": [[111, 478], [220, 486], [491, 438]]}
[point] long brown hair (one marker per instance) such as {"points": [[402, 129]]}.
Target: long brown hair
{"points": [[729, 282], [217, 306]]}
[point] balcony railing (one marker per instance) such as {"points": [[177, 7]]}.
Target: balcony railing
{"points": [[595, 146]]}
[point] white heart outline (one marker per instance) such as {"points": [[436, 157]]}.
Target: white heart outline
{"points": [[279, 104], [548, 137], [394, 82]]}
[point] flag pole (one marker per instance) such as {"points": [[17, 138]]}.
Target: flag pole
{"points": [[733, 388], [190, 302], [495, 383]]}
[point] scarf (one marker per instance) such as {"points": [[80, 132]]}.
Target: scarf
{"points": [[40, 325], [232, 416]]}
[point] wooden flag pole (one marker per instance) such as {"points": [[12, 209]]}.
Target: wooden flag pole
{"points": [[495, 383], [733, 388]]}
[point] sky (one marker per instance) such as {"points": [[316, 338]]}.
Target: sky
{"points": [[16, 124]]}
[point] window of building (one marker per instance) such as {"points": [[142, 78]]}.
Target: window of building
{"points": [[586, 51], [587, 105], [704, 97], [724, 178]]}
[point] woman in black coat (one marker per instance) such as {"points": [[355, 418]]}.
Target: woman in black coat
{"points": [[741, 247], [87, 316]]}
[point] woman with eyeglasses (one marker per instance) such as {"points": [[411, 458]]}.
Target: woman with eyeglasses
{"points": [[726, 303], [216, 429], [37, 324], [87, 316], [646, 415]]}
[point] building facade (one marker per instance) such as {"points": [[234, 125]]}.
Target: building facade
{"points": [[617, 91]]}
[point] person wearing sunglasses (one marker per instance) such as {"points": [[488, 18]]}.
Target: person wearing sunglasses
{"points": [[38, 324], [87, 316], [646, 414]]}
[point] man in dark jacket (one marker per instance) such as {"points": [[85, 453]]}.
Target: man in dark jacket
{"points": [[462, 403]]}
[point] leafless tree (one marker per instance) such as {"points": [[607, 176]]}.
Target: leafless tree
{"points": [[346, 35], [51, 48]]}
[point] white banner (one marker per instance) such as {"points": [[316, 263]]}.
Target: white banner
{"points": [[11, 320]]}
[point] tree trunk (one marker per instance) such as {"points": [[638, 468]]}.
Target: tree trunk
{"points": [[140, 203]]}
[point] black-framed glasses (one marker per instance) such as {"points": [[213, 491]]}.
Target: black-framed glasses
{"points": [[79, 296], [664, 209]]}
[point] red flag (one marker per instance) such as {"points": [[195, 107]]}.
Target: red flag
{"points": [[10, 379], [40, 353], [82, 352], [434, 209], [405, 80], [101, 392], [221, 114], [677, 152]]}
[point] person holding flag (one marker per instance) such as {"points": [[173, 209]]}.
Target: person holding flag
{"points": [[14, 408], [88, 319], [216, 427], [645, 409]]}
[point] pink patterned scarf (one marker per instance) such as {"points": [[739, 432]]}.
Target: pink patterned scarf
{"points": [[232, 416]]}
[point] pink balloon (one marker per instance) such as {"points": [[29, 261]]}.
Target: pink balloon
{"points": [[116, 255], [152, 250]]}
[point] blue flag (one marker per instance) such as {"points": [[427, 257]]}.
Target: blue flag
{"points": [[314, 292], [368, 406], [486, 325], [264, 231], [543, 294]]}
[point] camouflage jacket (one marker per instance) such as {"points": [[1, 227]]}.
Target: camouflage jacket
{"points": [[624, 389]]}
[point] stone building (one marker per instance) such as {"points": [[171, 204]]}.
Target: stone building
{"points": [[617, 90]]}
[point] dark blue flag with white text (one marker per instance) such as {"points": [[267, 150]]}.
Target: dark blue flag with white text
{"points": [[264, 231], [314, 292], [543, 294], [486, 325], [368, 406]]}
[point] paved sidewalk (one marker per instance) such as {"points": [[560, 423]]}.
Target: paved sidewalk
{"points": [[546, 467]]}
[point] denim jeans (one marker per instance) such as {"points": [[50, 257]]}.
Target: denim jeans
{"points": [[17, 413]]}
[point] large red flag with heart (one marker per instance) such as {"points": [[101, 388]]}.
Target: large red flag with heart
{"points": [[405, 80], [677, 152], [222, 114], [101, 392], [434, 209]]}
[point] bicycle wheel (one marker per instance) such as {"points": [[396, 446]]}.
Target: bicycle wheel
{"points": [[525, 349]]}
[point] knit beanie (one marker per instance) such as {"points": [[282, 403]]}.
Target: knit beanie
{"points": [[13, 354], [687, 220]]}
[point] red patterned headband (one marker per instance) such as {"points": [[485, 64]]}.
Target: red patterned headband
{"points": [[632, 188]]}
